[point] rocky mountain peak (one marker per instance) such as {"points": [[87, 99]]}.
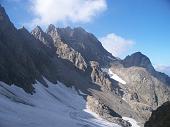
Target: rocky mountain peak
{"points": [[138, 59], [51, 28], [37, 30], [39, 34], [53, 32], [3, 15], [80, 29], [85, 43], [24, 30], [5, 22]]}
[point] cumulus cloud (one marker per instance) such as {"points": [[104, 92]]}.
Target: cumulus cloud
{"points": [[54, 11], [164, 69], [115, 44]]}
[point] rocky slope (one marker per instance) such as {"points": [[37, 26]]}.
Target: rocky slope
{"points": [[86, 44], [140, 60], [160, 117], [52, 40], [131, 88], [21, 56], [143, 91]]}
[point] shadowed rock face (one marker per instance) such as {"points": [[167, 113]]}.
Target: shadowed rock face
{"points": [[87, 44], [100, 78], [15, 64], [160, 117], [52, 40], [26, 58], [140, 60]]}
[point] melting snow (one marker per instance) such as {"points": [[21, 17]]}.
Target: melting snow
{"points": [[55, 106], [116, 77], [132, 121], [81, 93]]}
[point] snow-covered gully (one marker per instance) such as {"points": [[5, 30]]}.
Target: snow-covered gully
{"points": [[55, 106]]}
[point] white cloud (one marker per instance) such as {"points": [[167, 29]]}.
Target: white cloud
{"points": [[164, 69], [54, 11], [115, 44]]}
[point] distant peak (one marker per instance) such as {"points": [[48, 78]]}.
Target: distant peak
{"points": [[38, 29], [68, 27], [5, 22], [138, 59], [23, 29], [80, 29], [50, 28], [141, 56], [138, 53], [3, 15]]}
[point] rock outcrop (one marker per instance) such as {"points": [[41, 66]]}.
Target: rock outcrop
{"points": [[100, 78], [143, 90], [139, 60], [20, 62], [160, 117], [86, 44], [105, 112], [53, 40], [64, 50]]}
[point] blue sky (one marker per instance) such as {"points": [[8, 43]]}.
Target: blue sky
{"points": [[139, 25]]}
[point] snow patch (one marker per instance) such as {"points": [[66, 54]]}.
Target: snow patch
{"points": [[110, 58], [99, 120], [55, 106], [132, 121], [81, 93], [113, 75], [116, 77]]}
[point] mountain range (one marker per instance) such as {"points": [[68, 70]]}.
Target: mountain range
{"points": [[64, 77]]}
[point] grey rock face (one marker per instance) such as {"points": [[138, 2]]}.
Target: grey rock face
{"points": [[142, 91], [105, 112], [140, 60], [86, 44], [151, 88], [160, 117], [13, 57], [99, 77], [41, 55], [53, 40], [43, 37]]}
